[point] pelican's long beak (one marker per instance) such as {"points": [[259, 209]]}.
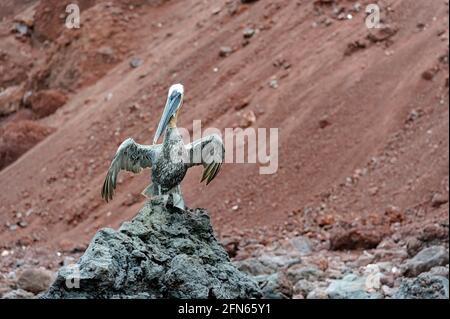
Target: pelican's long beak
{"points": [[173, 103]]}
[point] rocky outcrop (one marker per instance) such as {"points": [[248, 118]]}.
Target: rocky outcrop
{"points": [[162, 253]]}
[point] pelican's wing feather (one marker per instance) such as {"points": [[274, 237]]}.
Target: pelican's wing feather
{"points": [[131, 157], [209, 152]]}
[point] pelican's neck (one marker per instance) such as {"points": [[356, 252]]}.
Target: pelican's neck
{"points": [[173, 121]]}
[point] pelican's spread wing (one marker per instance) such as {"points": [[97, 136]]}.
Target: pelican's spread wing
{"points": [[209, 152], [131, 157]]}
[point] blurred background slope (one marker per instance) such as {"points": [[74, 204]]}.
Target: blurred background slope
{"points": [[362, 117]]}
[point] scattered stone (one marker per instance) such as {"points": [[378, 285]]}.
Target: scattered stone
{"points": [[324, 122], [273, 84], [300, 272], [10, 99], [136, 62], [46, 102], [382, 34], [248, 119], [23, 27], [354, 46], [425, 286], [22, 224], [373, 278], [248, 33], [394, 214], [163, 252], [35, 280], [216, 11], [225, 51], [242, 105], [282, 63], [18, 294], [254, 267], [439, 199], [302, 245], [303, 287], [107, 54], [434, 233], [429, 74], [413, 246], [318, 293], [412, 116], [231, 246], [373, 190], [341, 239], [440, 271], [350, 287], [275, 286], [425, 260]]}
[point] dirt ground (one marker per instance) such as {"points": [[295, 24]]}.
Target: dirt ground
{"points": [[363, 115]]}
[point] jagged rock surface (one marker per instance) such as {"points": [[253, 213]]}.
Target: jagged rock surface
{"points": [[162, 253]]}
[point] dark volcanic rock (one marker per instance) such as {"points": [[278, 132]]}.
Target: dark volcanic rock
{"points": [[425, 286], [162, 253]]}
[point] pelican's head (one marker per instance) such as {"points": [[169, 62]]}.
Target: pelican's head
{"points": [[173, 105]]}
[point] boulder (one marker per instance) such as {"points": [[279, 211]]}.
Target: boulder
{"points": [[275, 286], [350, 287], [35, 280], [164, 252], [267, 263], [299, 272], [355, 238], [18, 294], [46, 102], [425, 260], [425, 286], [11, 99]]}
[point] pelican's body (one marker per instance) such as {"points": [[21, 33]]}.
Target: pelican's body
{"points": [[170, 160], [170, 173]]}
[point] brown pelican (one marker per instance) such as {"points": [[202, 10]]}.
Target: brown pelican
{"points": [[170, 160]]}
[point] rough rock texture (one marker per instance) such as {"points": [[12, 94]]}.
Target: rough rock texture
{"points": [[162, 253], [18, 294], [425, 260], [426, 286], [275, 286]]}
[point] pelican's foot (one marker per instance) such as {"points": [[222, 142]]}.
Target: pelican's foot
{"points": [[171, 200], [175, 200]]}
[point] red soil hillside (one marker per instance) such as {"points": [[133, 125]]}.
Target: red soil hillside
{"points": [[362, 114]]}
